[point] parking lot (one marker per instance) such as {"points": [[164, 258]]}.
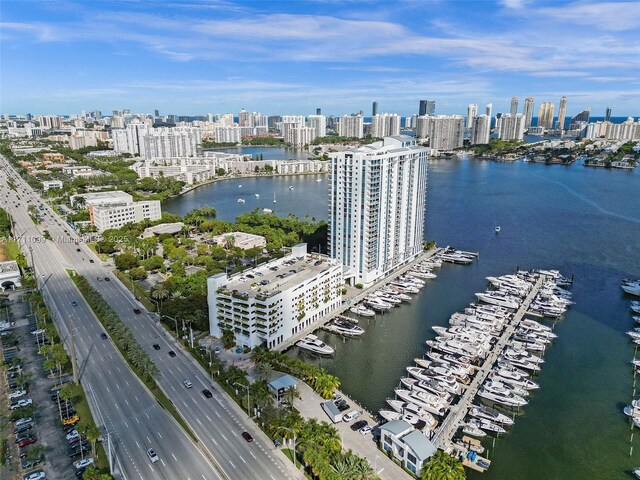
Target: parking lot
{"points": [[37, 441]]}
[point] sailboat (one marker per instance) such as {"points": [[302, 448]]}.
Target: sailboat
{"points": [[497, 228], [274, 197]]}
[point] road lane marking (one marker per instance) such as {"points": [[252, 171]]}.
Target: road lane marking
{"points": [[148, 439], [214, 440], [217, 414], [208, 418], [159, 435], [234, 465], [126, 424], [198, 420], [225, 438], [243, 460], [174, 457], [251, 453], [137, 419], [137, 444], [163, 462]]}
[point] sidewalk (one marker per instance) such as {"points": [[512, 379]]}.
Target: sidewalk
{"points": [[309, 406]]}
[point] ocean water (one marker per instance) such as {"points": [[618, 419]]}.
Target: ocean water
{"points": [[585, 222]]}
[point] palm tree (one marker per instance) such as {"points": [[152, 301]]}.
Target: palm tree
{"points": [[263, 370], [363, 469], [344, 468], [290, 395], [93, 433], [443, 466], [160, 292], [260, 394]]}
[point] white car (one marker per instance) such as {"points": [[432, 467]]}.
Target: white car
{"points": [[151, 453], [72, 434], [17, 394], [83, 463], [22, 403], [187, 384], [37, 475], [350, 416], [22, 421], [365, 430], [37, 332]]}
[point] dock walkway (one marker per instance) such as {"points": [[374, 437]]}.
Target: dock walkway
{"points": [[350, 302], [455, 418]]}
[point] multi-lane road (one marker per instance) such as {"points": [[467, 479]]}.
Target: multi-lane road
{"points": [[122, 405]]}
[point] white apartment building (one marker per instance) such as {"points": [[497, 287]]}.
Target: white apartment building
{"points": [[171, 142], [376, 207], [512, 127], [385, 125], [472, 112], [319, 122], [129, 140], [102, 198], [49, 184], [445, 132], [627, 130], [351, 126], [297, 119], [228, 134], [299, 136], [284, 297], [480, 129], [116, 215]]}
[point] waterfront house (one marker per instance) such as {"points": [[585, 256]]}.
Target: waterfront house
{"points": [[407, 445]]}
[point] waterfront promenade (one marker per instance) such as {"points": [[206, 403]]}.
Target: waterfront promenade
{"points": [[455, 418], [353, 299]]}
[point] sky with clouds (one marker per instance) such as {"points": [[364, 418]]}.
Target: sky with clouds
{"points": [[197, 56]]}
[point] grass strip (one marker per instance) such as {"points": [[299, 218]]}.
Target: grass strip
{"points": [[135, 356]]}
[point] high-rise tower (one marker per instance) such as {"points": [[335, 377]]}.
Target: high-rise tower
{"points": [[528, 111], [514, 105], [562, 113]]}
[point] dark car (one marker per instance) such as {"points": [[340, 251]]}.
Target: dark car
{"points": [[136, 311], [107, 279], [77, 249], [103, 336], [31, 463], [22, 428], [207, 393], [91, 260], [76, 452], [247, 437], [172, 353], [156, 346], [358, 425], [74, 303]]}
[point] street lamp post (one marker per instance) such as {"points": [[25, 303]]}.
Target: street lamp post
{"points": [[176, 321], [294, 444], [248, 403]]}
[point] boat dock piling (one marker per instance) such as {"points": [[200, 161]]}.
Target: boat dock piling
{"points": [[455, 419]]}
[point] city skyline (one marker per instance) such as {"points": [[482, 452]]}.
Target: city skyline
{"points": [[209, 56]]}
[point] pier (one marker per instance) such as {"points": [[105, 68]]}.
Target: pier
{"points": [[352, 301], [455, 419]]}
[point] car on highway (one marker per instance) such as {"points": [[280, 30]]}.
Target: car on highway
{"points": [[17, 394], [358, 425], [99, 279], [37, 475], [187, 384], [24, 441], [74, 303], [153, 456], [247, 436], [207, 393], [21, 403], [172, 353], [107, 279], [84, 463], [103, 336], [77, 249], [137, 311], [91, 260], [156, 346]]}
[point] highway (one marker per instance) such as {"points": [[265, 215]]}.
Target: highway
{"points": [[126, 408]]}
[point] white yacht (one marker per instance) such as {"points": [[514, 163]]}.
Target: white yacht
{"points": [[362, 311], [486, 425], [345, 328], [408, 416], [257, 195], [450, 359], [635, 306], [431, 403], [267, 210], [495, 384], [473, 431], [431, 386], [491, 414], [241, 200], [505, 398], [377, 304], [521, 382], [290, 187], [315, 345], [499, 299]]}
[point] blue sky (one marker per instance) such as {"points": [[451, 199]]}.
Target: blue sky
{"points": [[198, 56]]}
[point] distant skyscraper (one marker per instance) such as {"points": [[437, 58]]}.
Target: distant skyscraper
{"points": [[376, 207], [545, 115], [318, 111], [562, 113], [528, 111], [514, 105], [445, 132], [488, 110], [385, 125], [243, 118], [319, 123], [472, 111], [427, 107], [156, 112], [583, 116], [374, 109], [351, 126], [607, 115], [480, 129], [511, 127]]}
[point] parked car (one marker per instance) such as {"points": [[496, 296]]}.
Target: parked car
{"points": [[37, 475], [17, 394], [71, 420], [365, 430], [31, 463], [358, 425], [22, 421], [25, 427], [24, 441], [21, 403], [72, 434], [84, 463], [350, 416]]}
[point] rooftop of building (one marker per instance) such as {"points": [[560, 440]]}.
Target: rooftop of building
{"points": [[421, 446], [162, 228], [397, 427], [391, 144], [279, 275]]}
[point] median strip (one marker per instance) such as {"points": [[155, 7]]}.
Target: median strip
{"points": [[124, 340]]}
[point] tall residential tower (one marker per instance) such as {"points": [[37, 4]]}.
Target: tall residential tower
{"points": [[528, 111]]}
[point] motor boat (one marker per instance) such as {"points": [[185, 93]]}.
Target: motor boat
{"points": [[499, 299], [473, 431], [502, 395], [497, 229], [491, 414], [409, 417], [522, 382], [315, 345], [431, 403], [496, 385], [486, 425], [635, 306], [377, 304], [430, 386], [241, 200], [362, 311], [344, 327], [520, 354], [473, 447], [257, 195], [460, 360], [632, 289], [519, 363]]}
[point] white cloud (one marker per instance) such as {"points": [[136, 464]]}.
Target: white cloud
{"points": [[612, 16]]}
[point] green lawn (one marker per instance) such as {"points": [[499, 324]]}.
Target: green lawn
{"points": [[82, 407]]}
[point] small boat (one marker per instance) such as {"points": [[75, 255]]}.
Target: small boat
{"points": [[315, 345], [274, 197], [257, 195], [241, 200], [473, 431], [240, 186], [491, 414], [362, 311], [469, 444], [486, 425], [290, 187], [267, 210], [497, 229], [318, 180]]}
